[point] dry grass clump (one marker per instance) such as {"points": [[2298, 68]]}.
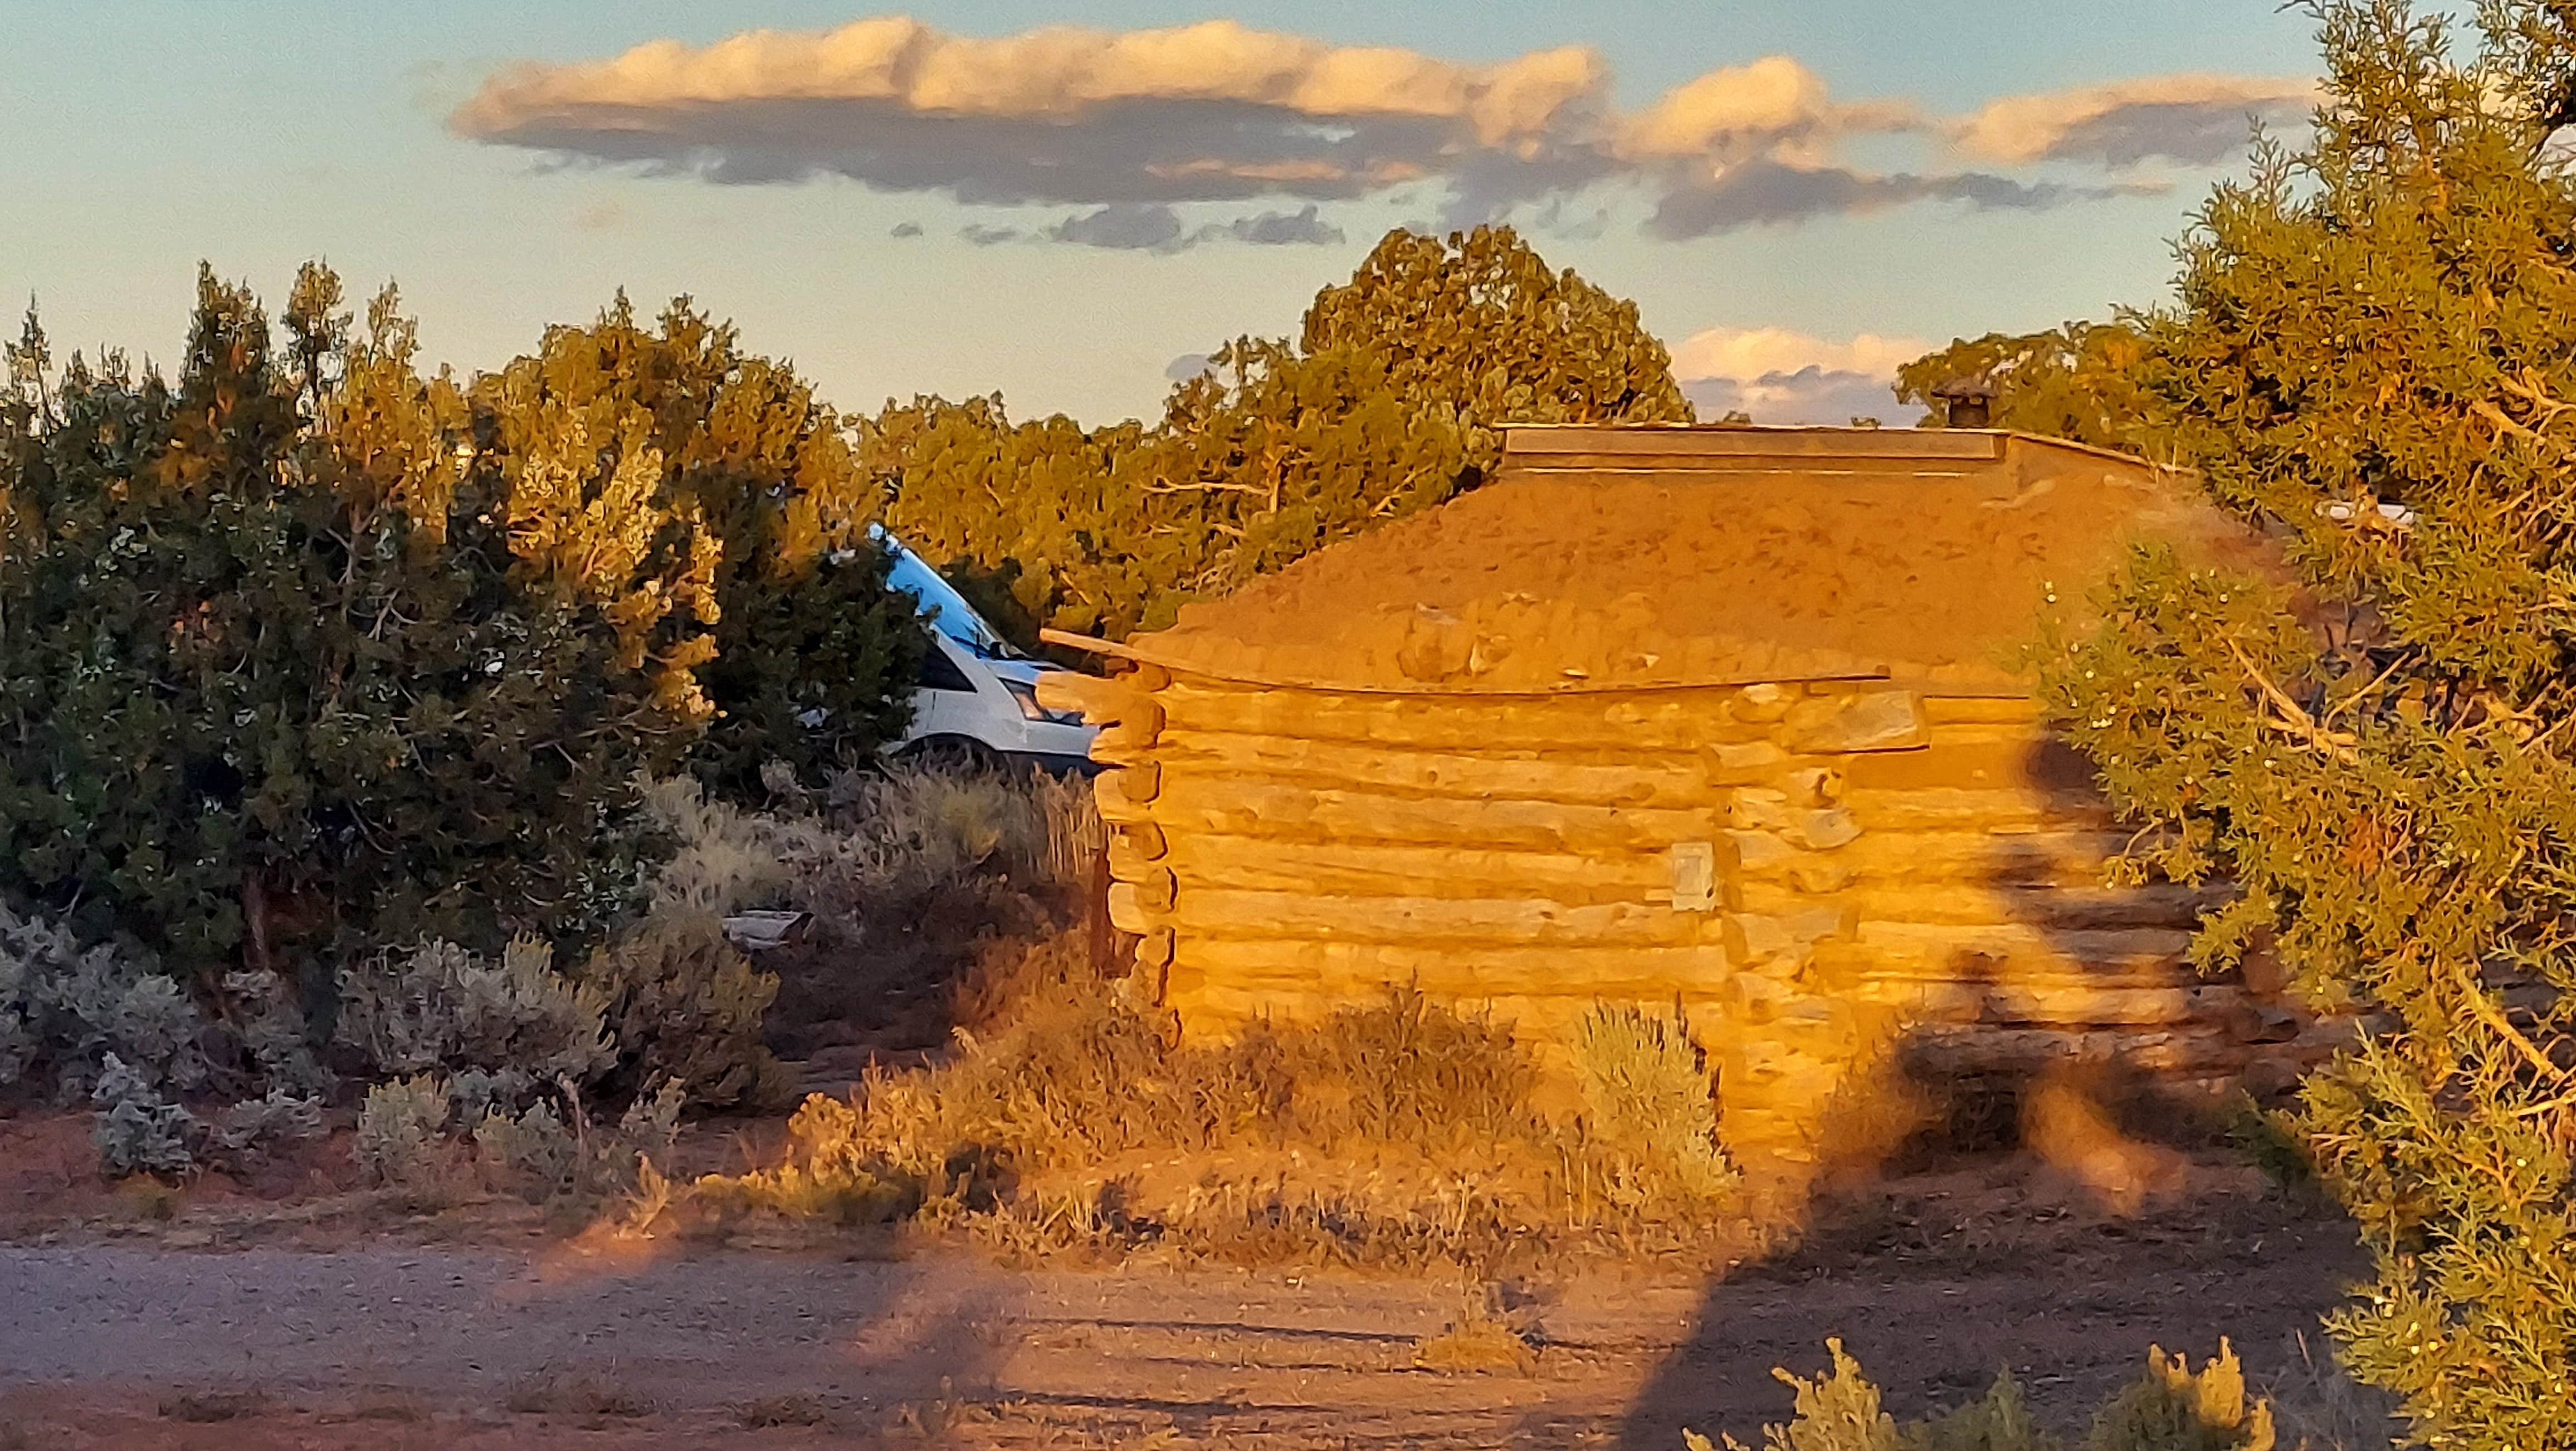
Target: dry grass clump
{"points": [[2170, 1408], [875, 840], [1400, 1133]]}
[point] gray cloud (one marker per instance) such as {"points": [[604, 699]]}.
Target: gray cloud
{"points": [[1135, 123], [1153, 227], [1767, 192], [1304, 227], [1124, 227], [1186, 366], [905, 229]]}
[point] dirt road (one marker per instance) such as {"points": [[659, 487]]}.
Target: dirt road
{"points": [[125, 1345]]}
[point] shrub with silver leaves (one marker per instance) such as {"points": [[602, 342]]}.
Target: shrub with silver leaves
{"points": [[440, 1008], [137, 1131]]}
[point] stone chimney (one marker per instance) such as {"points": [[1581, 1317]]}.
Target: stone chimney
{"points": [[1966, 402]]}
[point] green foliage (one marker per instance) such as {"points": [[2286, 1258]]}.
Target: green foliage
{"points": [[2373, 354], [683, 1006], [2170, 1408], [136, 1130], [1388, 403], [65, 1010], [398, 1131], [2001, 1421], [309, 653], [1648, 1103], [2082, 381], [737, 516], [438, 1007], [1837, 1411], [284, 667], [532, 1149]]}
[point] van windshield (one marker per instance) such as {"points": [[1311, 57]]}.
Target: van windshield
{"points": [[941, 605]]}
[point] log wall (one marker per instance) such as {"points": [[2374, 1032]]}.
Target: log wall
{"points": [[1816, 872]]}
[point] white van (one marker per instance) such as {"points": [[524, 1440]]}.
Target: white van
{"points": [[977, 701]]}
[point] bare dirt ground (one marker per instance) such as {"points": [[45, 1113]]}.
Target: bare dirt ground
{"points": [[123, 1330]]}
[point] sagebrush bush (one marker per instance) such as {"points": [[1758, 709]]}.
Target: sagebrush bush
{"points": [[136, 1130], [1398, 1132], [2170, 1408], [65, 1008], [438, 1008], [1649, 1105], [398, 1130], [684, 1006]]}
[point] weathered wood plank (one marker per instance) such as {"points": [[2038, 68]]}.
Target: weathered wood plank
{"points": [[1192, 802], [1360, 869], [1463, 924]]}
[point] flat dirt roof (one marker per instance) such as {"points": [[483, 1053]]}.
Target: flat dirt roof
{"points": [[1650, 558]]}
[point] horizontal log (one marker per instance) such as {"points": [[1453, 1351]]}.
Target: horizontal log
{"points": [[1595, 777], [2075, 857], [2161, 904], [2001, 949], [1468, 924], [1546, 1024], [1610, 972], [1941, 710], [2055, 1004], [2003, 759], [2031, 1052], [1985, 809], [1194, 802], [1676, 720], [1360, 868], [1838, 966]]}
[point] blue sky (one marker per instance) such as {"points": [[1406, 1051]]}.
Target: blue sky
{"points": [[1761, 218]]}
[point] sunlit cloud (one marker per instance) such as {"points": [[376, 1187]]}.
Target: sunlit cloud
{"points": [[1779, 376], [1134, 124], [2192, 118]]}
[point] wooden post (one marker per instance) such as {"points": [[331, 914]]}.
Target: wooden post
{"points": [[1096, 910]]}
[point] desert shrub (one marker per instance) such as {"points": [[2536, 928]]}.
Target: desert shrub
{"points": [[136, 1130], [242, 1135], [874, 845], [533, 1151], [65, 1008], [1648, 1102], [683, 1006], [398, 1130], [1396, 1132], [274, 1034], [2173, 1408], [2170, 1408], [546, 1156], [437, 1007]]}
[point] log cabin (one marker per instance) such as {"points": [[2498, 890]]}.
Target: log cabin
{"points": [[1734, 720]]}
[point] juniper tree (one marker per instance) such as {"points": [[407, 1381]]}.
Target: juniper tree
{"points": [[1389, 401], [2081, 381], [753, 592], [276, 673], [2374, 354]]}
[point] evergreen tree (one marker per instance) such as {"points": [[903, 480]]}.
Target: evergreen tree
{"points": [[1391, 401], [2083, 381], [750, 585], [2374, 354], [278, 674]]}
